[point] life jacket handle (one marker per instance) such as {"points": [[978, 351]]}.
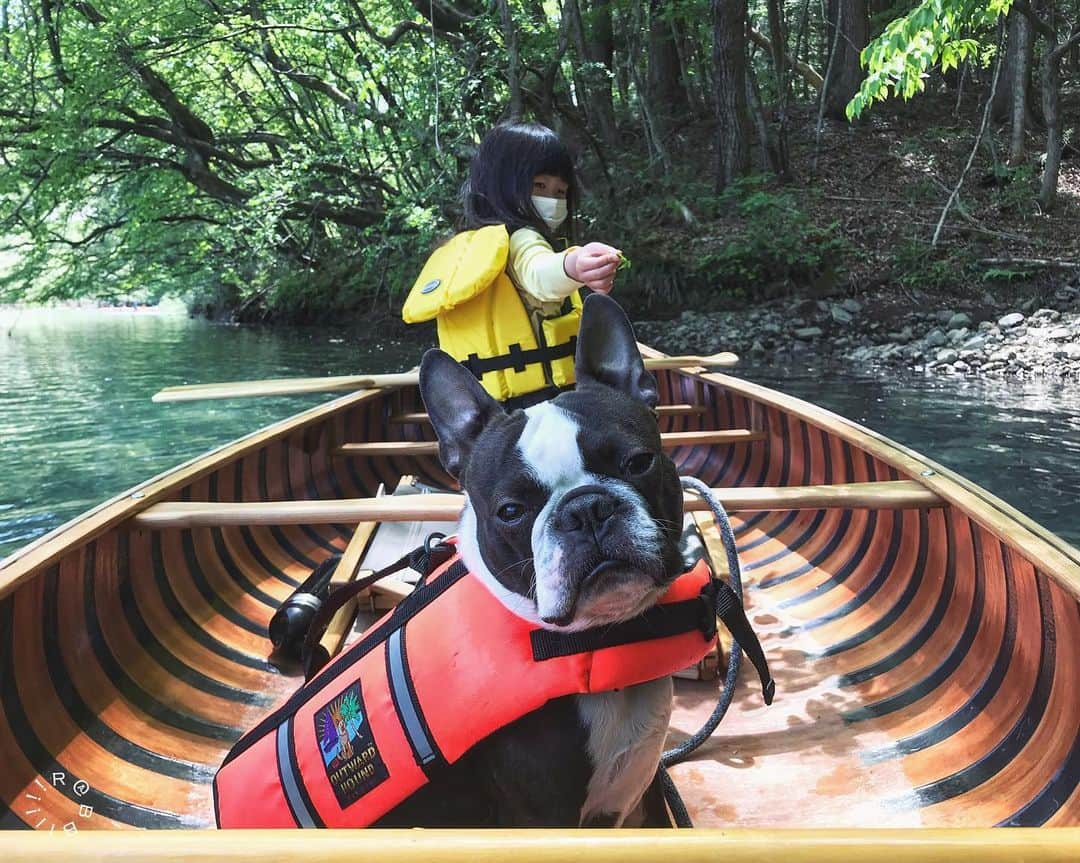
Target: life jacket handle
{"points": [[425, 559]]}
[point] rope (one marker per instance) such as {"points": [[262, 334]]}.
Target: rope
{"points": [[684, 749]]}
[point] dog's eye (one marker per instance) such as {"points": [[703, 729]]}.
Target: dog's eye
{"points": [[639, 463], [510, 512]]}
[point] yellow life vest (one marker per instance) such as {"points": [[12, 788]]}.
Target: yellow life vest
{"points": [[482, 322]]}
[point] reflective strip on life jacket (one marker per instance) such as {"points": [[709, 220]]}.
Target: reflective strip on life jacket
{"points": [[449, 666]]}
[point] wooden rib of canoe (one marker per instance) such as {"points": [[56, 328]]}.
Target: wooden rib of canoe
{"points": [[924, 636]]}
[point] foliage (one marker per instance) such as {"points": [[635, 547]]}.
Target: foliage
{"points": [[934, 33], [278, 158], [917, 265], [778, 240], [266, 151]]}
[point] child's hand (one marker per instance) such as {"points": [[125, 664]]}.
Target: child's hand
{"points": [[594, 264]]}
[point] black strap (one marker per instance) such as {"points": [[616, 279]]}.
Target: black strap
{"points": [[716, 599], [517, 358], [425, 560], [729, 609], [660, 621]]}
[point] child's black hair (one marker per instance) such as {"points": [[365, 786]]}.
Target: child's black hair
{"points": [[499, 188]]}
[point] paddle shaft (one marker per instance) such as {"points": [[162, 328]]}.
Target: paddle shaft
{"points": [[296, 386]]}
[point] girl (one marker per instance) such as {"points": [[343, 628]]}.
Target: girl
{"points": [[506, 303], [523, 177]]}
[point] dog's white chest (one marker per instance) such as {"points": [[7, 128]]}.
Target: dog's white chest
{"points": [[626, 730]]}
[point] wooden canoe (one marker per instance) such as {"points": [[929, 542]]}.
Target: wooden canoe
{"points": [[924, 636]]}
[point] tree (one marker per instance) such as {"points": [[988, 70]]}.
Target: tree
{"points": [[846, 36], [733, 121]]}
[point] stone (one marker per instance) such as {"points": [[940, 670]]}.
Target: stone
{"points": [[944, 316], [1010, 320], [985, 326], [935, 338], [757, 347], [961, 367], [852, 306], [974, 343], [946, 355], [957, 336], [1046, 315], [841, 315], [807, 333], [1059, 334], [959, 321], [903, 337]]}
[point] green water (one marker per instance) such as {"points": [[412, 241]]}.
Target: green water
{"points": [[77, 425], [76, 421]]}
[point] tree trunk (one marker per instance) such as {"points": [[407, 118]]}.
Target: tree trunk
{"points": [[846, 35], [729, 59], [767, 160], [513, 60], [595, 47], [5, 45], [1052, 109], [1017, 32], [664, 85], [779, 62], [1019, 84]]}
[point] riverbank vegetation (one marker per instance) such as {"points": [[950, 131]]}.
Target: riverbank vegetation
{"points": [[273, 159]]}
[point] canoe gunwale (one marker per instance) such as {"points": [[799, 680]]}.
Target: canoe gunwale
{"points": [[1044, 549], [35, 557], [912, 845]]}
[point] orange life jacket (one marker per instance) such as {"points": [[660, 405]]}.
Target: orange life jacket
{"points": [[449, 666]]}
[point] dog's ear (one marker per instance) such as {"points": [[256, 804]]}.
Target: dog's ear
{"points": [[458, 406], [607, 351]]}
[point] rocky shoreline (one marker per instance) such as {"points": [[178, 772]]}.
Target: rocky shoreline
{"points": [[1039, 336]]}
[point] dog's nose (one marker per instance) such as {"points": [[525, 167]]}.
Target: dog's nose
{"points": [[587, 507]]}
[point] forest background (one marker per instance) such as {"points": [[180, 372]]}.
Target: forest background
{"points": [[296, 161]]}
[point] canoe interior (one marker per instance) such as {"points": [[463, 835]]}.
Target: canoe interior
{"points": [[925, 670]]}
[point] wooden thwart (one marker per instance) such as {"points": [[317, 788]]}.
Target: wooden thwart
{"points": [[663, 410], [670, 441], [897, 494]]}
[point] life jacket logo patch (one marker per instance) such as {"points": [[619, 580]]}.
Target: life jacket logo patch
{"points": [[352, 761]]}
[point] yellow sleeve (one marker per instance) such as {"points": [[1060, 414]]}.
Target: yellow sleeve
{"points": [[537, 269]]}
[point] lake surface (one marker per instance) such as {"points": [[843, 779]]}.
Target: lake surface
{"points": [[77, 425]]}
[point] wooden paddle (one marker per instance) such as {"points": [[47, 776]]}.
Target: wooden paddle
{"points": [[293, 386]]}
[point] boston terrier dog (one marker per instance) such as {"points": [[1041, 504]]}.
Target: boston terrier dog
{"points": [[573, 520]]}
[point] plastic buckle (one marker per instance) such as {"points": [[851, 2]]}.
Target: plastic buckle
{"points": [[708, 609], [431, 555]]}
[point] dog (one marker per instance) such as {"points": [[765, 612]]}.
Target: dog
{"points": [[573, 520]]}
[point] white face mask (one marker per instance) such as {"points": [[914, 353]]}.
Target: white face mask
{"points": [[551, 210]]}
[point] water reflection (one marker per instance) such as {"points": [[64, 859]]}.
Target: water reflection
{"points": [[77, 425], [76, 421], [1018, 439]]}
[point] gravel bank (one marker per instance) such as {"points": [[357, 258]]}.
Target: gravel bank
{"points": [[1034, 338]]}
